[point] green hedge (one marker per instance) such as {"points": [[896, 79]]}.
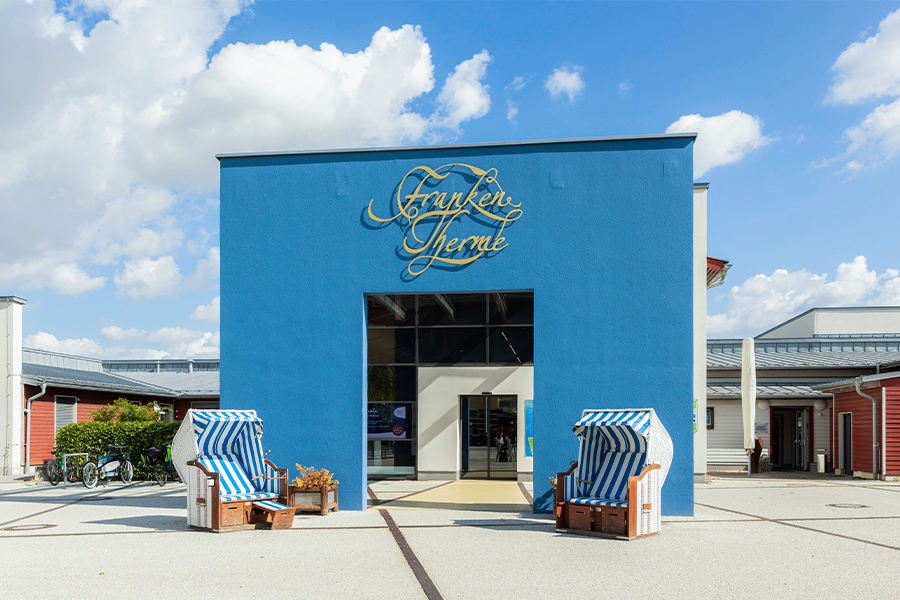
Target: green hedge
{"points": [[91, 436]]}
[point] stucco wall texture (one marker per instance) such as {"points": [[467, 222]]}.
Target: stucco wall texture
{"points": [[604, 240]]}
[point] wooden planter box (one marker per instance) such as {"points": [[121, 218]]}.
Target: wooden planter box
{"points": [[313, 499]]}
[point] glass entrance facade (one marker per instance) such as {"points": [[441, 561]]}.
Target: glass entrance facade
{"points": [[406, 331]]}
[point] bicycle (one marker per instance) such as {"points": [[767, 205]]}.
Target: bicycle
{"points": [[63, 467], [161, 462], [115, 464]]}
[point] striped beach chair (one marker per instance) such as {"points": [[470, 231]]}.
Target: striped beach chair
{"points": [[613, 490], [231, 485]]}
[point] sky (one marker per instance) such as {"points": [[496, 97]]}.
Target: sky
{"points": [[112, 112]]}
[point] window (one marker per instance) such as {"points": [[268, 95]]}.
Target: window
{"points": [[66, 412], [205, 405], [710, 418], [166, 412]]}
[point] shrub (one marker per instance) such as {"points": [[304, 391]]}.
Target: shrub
{"points": [[91, 436], [123, 410]]}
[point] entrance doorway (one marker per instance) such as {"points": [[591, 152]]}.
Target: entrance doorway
{"points": [[790, 448], [488, 436], [845, 443]]}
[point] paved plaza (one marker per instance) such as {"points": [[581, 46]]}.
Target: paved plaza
{"points": [[772, 536]]}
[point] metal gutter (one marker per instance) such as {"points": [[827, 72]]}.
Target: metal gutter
{"points": [[614, 138], [28, 436]]}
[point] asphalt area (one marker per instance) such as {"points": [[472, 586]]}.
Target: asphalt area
{"points": [[778, 535]]}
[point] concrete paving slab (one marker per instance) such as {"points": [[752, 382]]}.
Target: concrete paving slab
{"points": [[748, 539]]}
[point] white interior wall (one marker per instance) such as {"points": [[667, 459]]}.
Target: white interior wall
{"points": [[438, 413]]}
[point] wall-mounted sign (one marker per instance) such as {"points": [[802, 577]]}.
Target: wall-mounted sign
{"points": [[452, 215], [387, 422], [529, 427]]}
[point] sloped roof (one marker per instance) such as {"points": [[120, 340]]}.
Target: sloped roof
{"points": [[775, 390], [835, 352], [202, 383], [35, 374]]}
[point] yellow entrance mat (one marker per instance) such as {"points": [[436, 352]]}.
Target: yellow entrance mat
{"points": [[486, 495]]}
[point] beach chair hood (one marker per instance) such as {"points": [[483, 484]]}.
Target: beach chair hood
{"points": [[616, 444], [209, 435]]}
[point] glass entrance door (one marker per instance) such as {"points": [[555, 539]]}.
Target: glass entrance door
{"points": [[488, 437]]}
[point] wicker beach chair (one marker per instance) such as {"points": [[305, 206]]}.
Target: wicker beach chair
{"points": [[613, 490], [230, 483]]}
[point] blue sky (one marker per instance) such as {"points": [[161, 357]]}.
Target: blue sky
{"points": [[112, 113]]}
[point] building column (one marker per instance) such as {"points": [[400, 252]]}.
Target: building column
{"points": [[700, 190], [12, 409]]}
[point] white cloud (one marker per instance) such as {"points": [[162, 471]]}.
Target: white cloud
{"points": [[877, 138], [511, 110], [464, 96], [147, 278], [516, 84], [110, 135], [565, 81], [763, 301], [871, 68], [890, 290], [722, 139], [207, 269], [625, 87], [117, 334], [207, 312], [47, 341], [70, 280], [174, 342]]}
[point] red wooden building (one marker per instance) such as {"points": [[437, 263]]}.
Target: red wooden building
{"points": [[60, 389], [865, 409]]}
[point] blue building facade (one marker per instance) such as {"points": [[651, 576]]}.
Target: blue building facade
{"points": [[600, 231]]}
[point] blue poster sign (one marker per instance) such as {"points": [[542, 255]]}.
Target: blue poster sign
{"points": [[529, 427]]}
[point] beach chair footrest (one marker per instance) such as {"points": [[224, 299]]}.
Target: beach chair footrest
{"points": [[279, 515]]}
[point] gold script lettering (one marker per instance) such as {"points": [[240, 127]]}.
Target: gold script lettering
{"points": [[425, 213]]}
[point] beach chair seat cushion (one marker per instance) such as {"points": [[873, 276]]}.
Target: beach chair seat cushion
{"points": [[253, 496], [234, 484], [611, 502]]}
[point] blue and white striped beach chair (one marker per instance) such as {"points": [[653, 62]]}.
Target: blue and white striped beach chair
{"points": [[219, 456], [614, 487]]}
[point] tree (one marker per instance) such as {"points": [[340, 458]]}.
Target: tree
{"points": [[123, 410]]}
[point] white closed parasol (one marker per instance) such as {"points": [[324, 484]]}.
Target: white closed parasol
{"points": [[748, 396]]}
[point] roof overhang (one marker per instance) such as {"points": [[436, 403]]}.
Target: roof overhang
{"points": [[849, 385], [716, 271]]}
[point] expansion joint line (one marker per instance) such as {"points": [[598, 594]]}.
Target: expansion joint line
{"points": [[431, 591], [787, 524]]}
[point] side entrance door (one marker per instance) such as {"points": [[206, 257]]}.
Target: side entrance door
{"points": [[488, 426]]}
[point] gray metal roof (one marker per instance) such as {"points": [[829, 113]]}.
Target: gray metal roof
{"points": [[35, 374], [806, 353], [201, 383], [717, 390], [615, 138]]}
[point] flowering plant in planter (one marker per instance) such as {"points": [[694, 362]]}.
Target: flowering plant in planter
{"points": [[314, 489], [311, 477]]}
